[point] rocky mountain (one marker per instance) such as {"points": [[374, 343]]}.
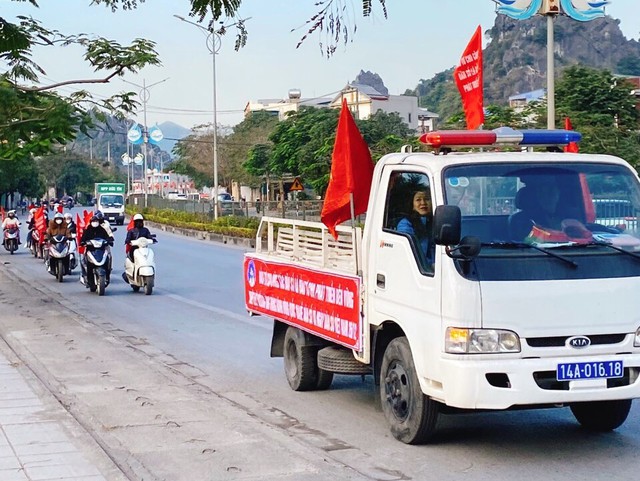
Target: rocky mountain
{"points": [[515, 58], [372, 80], [172, 133]]}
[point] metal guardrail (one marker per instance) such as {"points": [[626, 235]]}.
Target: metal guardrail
{"points": [[308, 210]]}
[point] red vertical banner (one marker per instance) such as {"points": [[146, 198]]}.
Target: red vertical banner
{"points": [[40, 223], [351, 173], [469, 79], [2, 213]]}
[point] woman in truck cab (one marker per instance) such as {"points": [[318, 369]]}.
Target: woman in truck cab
{"points": [[419, 222]]}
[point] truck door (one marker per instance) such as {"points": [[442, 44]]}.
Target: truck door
{"points": [[403, 279]]}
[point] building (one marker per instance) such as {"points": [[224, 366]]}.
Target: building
{"points": [[364, 101], [280, 107], [519, 101]]}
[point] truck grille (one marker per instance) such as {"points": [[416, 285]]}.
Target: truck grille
{"points": [[559, 341]]}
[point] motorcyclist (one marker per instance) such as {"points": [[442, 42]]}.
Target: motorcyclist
{"points": [[31, 223], [10, 222], [94, 231], [138, 231], [68, 218], [104, 223], [57, 226]]}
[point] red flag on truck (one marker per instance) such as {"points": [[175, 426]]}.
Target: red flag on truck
{"points": [[468, 78], [351, 174], [571, 146]]}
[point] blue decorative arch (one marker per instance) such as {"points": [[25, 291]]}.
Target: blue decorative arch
{"points": [[594, 9], [506, 7]]}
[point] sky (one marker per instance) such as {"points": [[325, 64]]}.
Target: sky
{"points": [[419, 39]]}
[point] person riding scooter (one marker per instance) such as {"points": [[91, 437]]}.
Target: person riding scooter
{"points": [[94, 231], [68, 218], [57, 227], [104, 223], [10, 223], [139, 230]]}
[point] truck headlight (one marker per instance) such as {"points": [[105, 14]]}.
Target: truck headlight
{"points": [[636, 340], [484, 341]]}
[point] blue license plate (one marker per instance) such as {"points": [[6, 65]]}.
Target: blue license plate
{"points": [[575, 371]]}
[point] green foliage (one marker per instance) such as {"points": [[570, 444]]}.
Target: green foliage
{"points": [[302, 145], [245, 227], [601, 108]]}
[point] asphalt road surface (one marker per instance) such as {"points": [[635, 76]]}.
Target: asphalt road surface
{"points": [[196, 314]]}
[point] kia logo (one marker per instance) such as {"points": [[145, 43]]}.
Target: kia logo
{"points": [[579, 342]]}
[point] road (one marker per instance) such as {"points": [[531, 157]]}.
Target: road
{"points": [[196, 316]]}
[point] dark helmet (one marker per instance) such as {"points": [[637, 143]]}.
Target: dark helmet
{"points": [[99, 215], [95, 218]]}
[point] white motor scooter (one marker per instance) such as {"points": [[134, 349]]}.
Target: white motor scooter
{"points": [[142, 271]]}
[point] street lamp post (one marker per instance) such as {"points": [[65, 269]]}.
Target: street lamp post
{"points": [[144, 95], [213, 45]]}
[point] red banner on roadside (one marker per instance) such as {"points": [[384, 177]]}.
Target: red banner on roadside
{"points": [[324, 304], [469, 79]]}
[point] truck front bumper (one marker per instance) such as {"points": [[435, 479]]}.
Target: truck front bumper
{"points": [[504, 383]]}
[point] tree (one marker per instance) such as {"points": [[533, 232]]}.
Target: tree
{"points": [[303, 143], [602, 108]]}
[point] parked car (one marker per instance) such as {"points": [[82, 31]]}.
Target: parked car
{"points": [[227, 206]]}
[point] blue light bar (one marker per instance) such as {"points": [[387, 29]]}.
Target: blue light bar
{"points": [[549, 137]]}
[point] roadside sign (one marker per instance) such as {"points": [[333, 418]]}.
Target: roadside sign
{"points": [[297, 185]]}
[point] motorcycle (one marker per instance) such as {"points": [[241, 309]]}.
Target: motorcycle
{"points": [[141, 271], [58, 258], [96, 264], [11, 240], [37, 244]]}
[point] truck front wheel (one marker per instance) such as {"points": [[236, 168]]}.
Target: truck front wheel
{"points": [[601, 415], [412, 416], [300, 361]]}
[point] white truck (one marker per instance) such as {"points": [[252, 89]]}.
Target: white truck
{"points": [[487, 319], [109, 199]]}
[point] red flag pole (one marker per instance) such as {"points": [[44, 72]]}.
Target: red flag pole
{"points": [[351, 175]]}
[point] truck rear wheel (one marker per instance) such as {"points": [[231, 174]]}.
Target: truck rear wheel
{"points": [[601, 415], [411, 415], [300, 363]]}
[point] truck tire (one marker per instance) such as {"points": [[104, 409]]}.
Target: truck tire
{"points": [[340, 360], [411, 415], [601, 415], [325, 378], [300, 364]]}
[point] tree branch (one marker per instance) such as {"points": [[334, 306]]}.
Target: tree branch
{"points": [[72, 82]]}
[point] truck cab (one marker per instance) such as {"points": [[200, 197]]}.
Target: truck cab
{"points": [[109, 199]]}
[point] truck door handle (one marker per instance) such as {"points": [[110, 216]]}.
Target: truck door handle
{"points": [[380, 280]]}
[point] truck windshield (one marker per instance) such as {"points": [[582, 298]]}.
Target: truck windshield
{"points": [[551, 205], [111, 200]]}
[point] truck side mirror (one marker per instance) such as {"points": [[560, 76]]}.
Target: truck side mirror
{"points": [[447, 225]]}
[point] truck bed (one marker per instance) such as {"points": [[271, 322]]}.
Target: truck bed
{"points": [[309, 244]]}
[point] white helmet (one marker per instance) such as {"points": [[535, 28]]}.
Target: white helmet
{"points": [[138, 217], [67, 215]]}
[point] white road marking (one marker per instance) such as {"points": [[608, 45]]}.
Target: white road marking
{"points": [[252, 321]]}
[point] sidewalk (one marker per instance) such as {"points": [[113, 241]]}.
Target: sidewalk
{"points": [[39, 440]]}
